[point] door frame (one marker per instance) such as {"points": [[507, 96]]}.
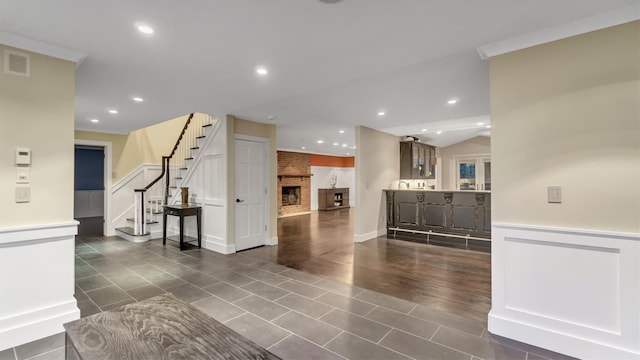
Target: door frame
{"points": [[107, 145], [266, 170]]}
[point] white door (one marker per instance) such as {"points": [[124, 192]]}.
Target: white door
{"points": [[251, 194]]}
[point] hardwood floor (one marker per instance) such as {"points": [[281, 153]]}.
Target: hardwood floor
{"points": [[321, 243]]}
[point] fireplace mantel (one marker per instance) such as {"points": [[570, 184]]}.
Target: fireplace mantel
{"points": [[301, 176]]}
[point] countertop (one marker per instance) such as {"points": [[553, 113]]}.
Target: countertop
{"points": [[449, 191]]}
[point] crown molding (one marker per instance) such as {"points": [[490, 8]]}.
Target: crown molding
{"points": [[583, 26], [40, 47]]}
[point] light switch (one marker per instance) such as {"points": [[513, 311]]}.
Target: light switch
{"points": [[23, 194], [22, 175], [554, 194]]}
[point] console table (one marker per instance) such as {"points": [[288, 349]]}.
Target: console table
{"points": [[161, 327], [333, 199], [181, 211]]}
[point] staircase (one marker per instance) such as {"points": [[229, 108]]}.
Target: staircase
{"points": [[149, 200]]}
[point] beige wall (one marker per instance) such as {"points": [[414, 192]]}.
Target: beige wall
{"points": [[37, 112], [447, 157], [143, 146], [567, 113], [268, 131], [377, 166]]}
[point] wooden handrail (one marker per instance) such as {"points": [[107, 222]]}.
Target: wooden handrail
{"points": [[165, 159]]}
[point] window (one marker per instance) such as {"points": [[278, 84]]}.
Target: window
{"points": [[473, 173]]}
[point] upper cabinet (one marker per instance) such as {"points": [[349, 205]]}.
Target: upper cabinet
{"points": [[417, 160]]}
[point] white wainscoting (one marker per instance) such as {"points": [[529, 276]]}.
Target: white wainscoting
{"points": [[37, 269], [573, 291]]}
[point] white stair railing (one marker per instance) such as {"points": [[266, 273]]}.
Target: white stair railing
{"points": [[174, 166]]}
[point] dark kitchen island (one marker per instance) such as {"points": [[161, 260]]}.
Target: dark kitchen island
{"points": [[455, 218]]}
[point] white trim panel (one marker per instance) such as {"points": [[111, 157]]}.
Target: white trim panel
{"points": [[583, 26], [37, 300], [37, 233], [572, 291]]}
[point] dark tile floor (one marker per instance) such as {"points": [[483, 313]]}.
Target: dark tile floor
{"points": [[293, 314]]}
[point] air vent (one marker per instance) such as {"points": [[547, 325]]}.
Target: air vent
{"points": [[16, 63]]}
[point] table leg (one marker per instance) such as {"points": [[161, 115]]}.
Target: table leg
{"points": [[164, 227], [198, 217], [181, 232]]}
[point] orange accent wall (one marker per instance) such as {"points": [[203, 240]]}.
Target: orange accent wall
{"points": [[332, 161]]}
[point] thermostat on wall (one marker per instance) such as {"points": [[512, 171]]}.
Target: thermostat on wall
{"points": [[23, 156]]}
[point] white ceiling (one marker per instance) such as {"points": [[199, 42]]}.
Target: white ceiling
{"points": [[331, 66]]}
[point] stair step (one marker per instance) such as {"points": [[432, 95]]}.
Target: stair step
{"points": [[189, 158], [128, 233], [183, 168], [207, 125], [149, 222], [195, 148], [178, 178], [149, 211], [173, 187], [200, 137]]}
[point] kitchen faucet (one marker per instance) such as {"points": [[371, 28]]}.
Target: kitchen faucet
{"points": [[406, 184]]}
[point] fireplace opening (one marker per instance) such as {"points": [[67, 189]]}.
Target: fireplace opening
{"points": [[290, 195]]}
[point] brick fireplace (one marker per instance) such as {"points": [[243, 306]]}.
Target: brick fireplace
{"points": [[294, 177]]}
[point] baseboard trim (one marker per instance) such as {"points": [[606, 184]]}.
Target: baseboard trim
{"points": [[555, 340], [272, 241], [215, 244], [368, 236], [36, 324]]}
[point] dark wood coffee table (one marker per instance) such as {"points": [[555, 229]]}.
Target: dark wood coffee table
{"points": [[161, 327]]}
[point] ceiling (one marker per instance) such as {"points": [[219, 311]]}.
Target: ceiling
{"points": [[331, 66]]}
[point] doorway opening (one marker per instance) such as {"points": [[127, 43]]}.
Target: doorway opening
{"points": [[89, 189]]}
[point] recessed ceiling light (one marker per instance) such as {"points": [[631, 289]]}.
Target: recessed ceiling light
{"points": [[439, 132], [424, 130], [138, 99], [452, 101], [95, 120], [344, 145], [145, 29], [348, 153], [261, 70], [304, 148], [112, 111], [480, 124], [341, 131], [320, 141], [381, 113], [488, 126], [335, 144]]}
